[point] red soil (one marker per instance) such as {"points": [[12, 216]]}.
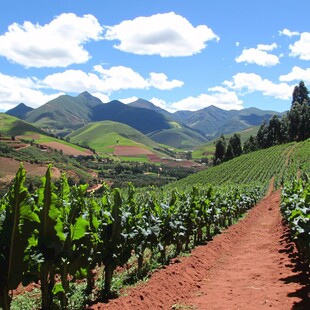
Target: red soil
{"points": [[9, 167], [121, 150], [66, 149], [251, 265]]}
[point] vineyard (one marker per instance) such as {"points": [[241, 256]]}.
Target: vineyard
{"points": [[61, 236]]}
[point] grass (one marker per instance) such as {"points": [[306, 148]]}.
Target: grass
{"points": [[137, 158], [103, 136], [12, 126]]}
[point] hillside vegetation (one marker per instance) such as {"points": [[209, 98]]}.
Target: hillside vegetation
{"points": [[281, 161], [105, 135]]}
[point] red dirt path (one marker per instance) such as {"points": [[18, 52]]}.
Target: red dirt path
{"points": [[251, 265]]}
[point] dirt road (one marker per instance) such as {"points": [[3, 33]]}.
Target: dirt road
{"points": [[251, 265]]}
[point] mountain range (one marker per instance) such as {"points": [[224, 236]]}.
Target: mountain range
{"points": [[182, 129]]}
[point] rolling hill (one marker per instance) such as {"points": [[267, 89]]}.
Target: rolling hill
{"points": [[180, 137], [13, 126], [103, 136], [182, 129]]}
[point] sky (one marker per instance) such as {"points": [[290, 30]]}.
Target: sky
{"points": [[178, 54]]}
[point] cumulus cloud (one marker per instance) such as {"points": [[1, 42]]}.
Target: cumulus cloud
{"points": [[286, 32], [296, 74], [259, 55], [251, 82], [161, 104], [267, 47], [14, 90], [218, 96], [165, 34], [160, 81], [301, 48], [128, 100], [57, 44], [108, 80]]}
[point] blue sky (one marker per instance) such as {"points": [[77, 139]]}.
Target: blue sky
{"points": [[178, 54]]}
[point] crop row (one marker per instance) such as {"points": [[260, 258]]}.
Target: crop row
{"points": [[64, 233], [295, 207], [259, 166]]}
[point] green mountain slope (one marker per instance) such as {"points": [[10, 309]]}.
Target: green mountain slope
{"points": [[103, 136], [13, 126], [179, 137], [64, 112]]}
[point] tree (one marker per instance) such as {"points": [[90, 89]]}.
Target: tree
{"points": [[229, 152], [235, 142], [301, 94], [250, 145], [220, 150], [262, 136], [274, 131]]}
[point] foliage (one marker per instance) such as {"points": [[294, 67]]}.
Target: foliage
{"points": [[62, 233], [295, 208], [294, 126]]}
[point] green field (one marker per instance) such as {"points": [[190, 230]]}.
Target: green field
{"points": [[104, 136], [281, 161]]}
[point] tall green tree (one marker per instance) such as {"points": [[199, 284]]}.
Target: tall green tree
{"points": [[220, 150], [235, 142], [300, 94]]}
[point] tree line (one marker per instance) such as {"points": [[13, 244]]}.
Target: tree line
{"points": [[293, 126]]}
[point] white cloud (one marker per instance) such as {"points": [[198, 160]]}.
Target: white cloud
{"points": [[14, 90], [296, 74], [161, 103], [57, 44], [107, 80], [160, 81], [128, 100], [103, 97], [286, 32], [217, 96], [267, 47], [251, 82], [301, 48], [259, 55], [165, 34]]}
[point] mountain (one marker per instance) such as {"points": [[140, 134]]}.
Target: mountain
{"points": [[67, 113], [144, 120], [19, 111], [141, 103], [213, 121], [64, 112]]}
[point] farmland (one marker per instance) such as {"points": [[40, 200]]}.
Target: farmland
{"points": [[86, 232]]}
